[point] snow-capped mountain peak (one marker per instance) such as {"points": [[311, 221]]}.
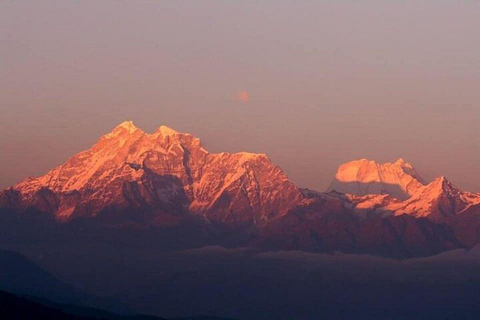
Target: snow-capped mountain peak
{"points": [[437, 200], [167, 131], [125, 127], [362, 177], [442, 185], [130, 170]]}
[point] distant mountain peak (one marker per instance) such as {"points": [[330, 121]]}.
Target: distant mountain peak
{"points": [[129, 170], [438, 199], [442, 180], [128, 126], [167, 131], [401, 162], [123, 130], [363, 176], [442, 185]]}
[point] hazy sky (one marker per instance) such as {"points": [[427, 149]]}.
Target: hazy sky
{"points": [[311, 83]]}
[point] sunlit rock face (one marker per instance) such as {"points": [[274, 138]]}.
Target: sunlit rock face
{"points": [[363, 177], [437, 200], [165, 172]]}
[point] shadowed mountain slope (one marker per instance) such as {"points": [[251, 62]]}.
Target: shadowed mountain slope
{"points": [[21, 276], [15, 307]]}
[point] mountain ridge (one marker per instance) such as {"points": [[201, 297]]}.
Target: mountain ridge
{"points": [[167, 179], [166, 169], [171, 171]]}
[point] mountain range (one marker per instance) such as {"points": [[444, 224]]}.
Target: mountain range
{"points": [[167, 179]]}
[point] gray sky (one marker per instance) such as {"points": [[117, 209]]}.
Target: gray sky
{"points": [[327, 81]]}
